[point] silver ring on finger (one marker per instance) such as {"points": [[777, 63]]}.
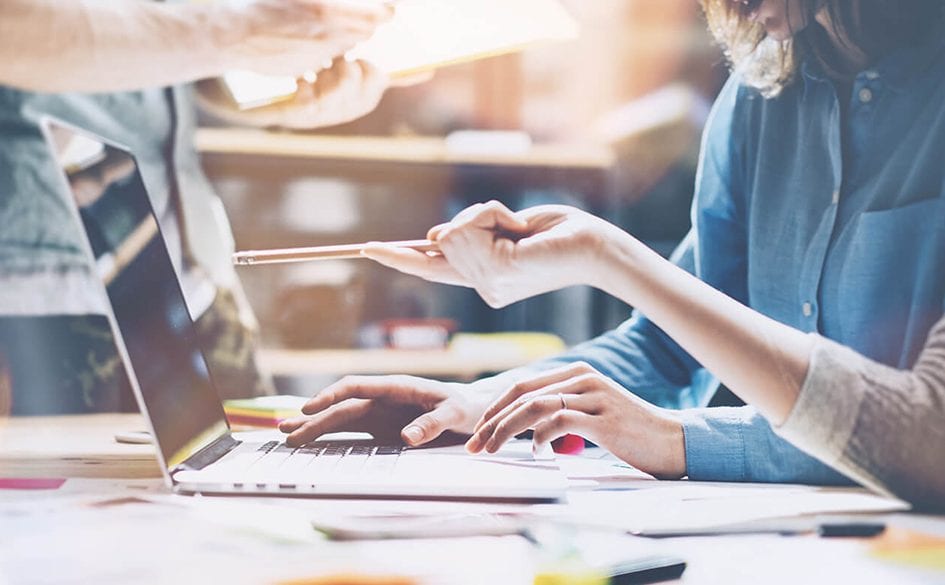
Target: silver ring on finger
{"points": [[564, 403]]}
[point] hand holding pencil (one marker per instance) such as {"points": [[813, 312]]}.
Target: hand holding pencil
{"points": [[513, 231]]}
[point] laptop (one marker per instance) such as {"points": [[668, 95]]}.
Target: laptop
{"points": [[156, 339]]}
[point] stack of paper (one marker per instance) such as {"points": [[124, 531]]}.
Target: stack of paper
{"points": [[263, 412]]}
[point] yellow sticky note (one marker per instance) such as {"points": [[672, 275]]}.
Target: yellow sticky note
{"points": [[910, 548]]}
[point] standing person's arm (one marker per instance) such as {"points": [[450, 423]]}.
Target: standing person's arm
{"points": [[105, 46]]}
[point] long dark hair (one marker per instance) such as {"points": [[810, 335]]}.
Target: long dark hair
{"points": [[870, 28]]}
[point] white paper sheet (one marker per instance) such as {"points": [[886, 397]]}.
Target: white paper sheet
{"points": [[216, 541], [685, 507]]}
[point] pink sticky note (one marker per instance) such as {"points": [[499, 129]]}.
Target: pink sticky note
{"points": [[28, 483]]}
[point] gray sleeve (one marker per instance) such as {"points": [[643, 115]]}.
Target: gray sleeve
{"points": [[883, 427]]}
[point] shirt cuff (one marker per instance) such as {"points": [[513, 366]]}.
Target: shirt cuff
{"points": [[822, 420], [715, 445]]}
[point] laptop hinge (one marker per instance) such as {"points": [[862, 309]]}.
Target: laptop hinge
{"points": [[210, 453]]}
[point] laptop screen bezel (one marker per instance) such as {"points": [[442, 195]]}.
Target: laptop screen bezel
{"points": [[47, 123]]}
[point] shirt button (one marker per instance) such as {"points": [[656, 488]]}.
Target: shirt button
{"points": [[807, 309], [835, 198], [866, 95]]}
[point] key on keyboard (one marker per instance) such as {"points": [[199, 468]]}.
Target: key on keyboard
{"points": [[320, 457]]}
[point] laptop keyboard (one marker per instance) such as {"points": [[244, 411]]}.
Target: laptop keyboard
{"points": [[331, 448], [339, 459]]}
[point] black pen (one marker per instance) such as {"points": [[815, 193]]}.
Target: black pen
{"points": [[851, 529]]}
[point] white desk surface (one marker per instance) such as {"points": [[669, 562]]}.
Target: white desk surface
{"points": [[118, 530]]}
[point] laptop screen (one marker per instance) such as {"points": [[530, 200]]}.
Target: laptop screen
{"points": [[162, 350]]}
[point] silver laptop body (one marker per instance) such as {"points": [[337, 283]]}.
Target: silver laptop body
{"points": [[156, 339]]}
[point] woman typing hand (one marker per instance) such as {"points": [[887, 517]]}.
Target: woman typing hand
{"points": [[577, 399]]}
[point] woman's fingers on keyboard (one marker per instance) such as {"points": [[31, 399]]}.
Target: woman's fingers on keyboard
{"points": [[338, 417], [402, 389]]}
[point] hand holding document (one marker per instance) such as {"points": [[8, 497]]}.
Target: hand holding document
{"points": [[427, 34]]}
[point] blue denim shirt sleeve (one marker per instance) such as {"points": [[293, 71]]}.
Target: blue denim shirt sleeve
{"points": [[738, 444]]}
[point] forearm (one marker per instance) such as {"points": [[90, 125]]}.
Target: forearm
{"points": [[758, 358], [879, 425], [102, 46]]}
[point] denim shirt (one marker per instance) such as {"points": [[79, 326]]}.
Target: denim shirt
{"points": [[42, 268], [839, 231]]}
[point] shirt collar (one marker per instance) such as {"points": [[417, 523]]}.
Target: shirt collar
{"points": [[896, 70]]}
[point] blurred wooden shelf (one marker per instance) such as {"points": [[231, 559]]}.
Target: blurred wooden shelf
{"points": [[408, 150], [437, 363]]}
